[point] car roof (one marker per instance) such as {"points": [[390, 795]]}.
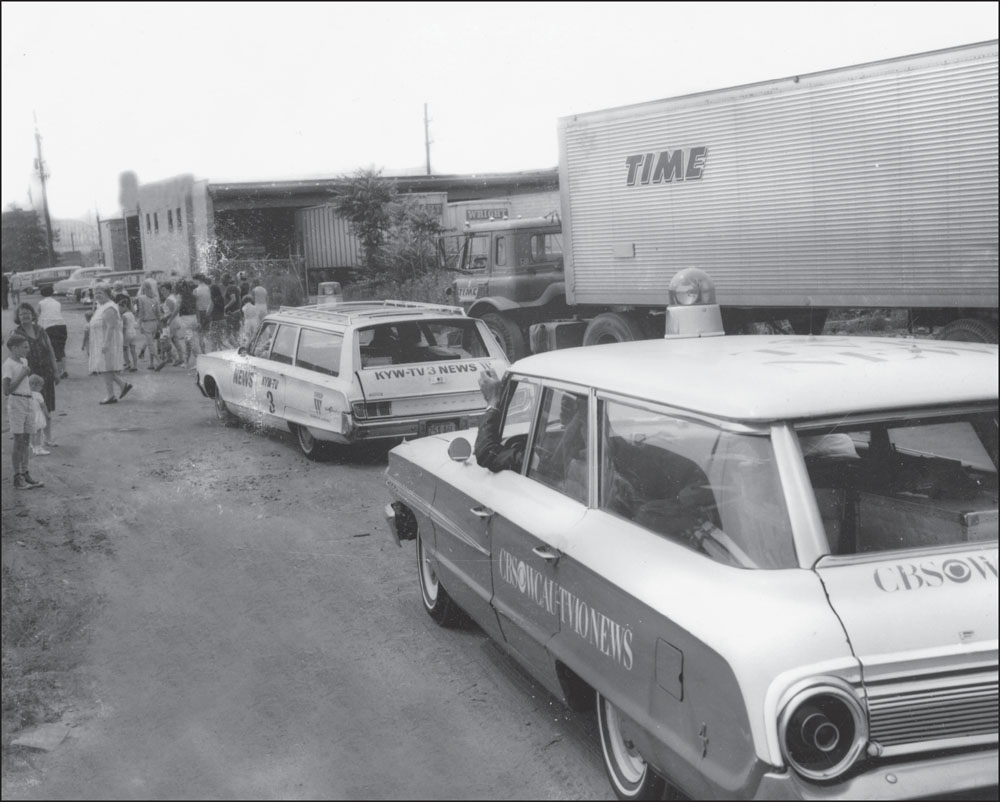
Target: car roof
{"points": [[764, 378], [362, 312]]}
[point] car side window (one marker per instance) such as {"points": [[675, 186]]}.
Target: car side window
{"points": [[713, 491], [559, 450], [283, 347], [320, 351], [262, 344]]}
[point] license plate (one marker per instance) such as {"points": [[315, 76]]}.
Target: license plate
{"points": [[440, 426]]}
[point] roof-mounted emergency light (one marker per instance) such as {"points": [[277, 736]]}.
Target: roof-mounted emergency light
{"points": [[693, 311]]}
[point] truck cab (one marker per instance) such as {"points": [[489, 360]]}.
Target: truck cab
{"points": [[510, 274]]}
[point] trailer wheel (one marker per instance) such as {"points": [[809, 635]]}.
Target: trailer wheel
{"points": [[968, 330], [614, 327], [508, 334]]}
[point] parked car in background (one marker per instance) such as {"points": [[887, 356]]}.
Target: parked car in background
{"points": [[81, 277], [768, 562], [30, 281], [131, 279], [356, 372]]}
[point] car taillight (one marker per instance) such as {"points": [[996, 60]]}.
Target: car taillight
{"points": [[823, 729], [372, 409]]}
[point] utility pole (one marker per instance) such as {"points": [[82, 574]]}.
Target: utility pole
{"points": [[100, 236], [427, 139], [42, 175]]}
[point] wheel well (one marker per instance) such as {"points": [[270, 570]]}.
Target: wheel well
{"points": [[211, 389], [406, 521], [577, 692]]}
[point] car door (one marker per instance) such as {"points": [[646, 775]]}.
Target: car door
{"points": [[464, 518], [532, 524], [315, 395], [272, 374]]}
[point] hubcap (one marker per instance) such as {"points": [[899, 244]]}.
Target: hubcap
{"points": [[428, 579], [629, 762], [306, 440]]}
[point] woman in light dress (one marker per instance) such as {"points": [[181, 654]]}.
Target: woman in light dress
{"points": [[106, 340]]}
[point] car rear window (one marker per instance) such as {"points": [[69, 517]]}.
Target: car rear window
{"points": [[905, 483], [413, 342]]}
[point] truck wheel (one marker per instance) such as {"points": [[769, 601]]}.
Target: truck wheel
{"points": [[630, 775], [438, 604], [968, 330], [508, 334], [614, 327]]}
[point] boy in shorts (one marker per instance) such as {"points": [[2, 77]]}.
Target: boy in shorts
{"points": [[20, 410]]}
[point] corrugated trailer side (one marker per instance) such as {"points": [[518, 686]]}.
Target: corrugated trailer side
{"points": [[873, 185], [327, 240]]}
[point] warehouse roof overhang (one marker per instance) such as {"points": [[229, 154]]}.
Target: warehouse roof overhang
{"points": [[313, 192]]}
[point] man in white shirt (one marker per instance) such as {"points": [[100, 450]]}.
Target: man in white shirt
{"points": [[203, 305]]}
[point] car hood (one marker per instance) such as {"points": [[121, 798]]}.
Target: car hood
{"points": [[914, 604]]}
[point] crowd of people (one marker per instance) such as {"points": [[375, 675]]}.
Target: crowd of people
{"points": [[168, 322]]}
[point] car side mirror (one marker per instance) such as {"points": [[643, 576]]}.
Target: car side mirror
{"points": [[459, 449]]}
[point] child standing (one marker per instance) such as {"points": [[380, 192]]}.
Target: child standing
{"points": [[133, 337], [15, 373], [42, 417], [250, 321]]}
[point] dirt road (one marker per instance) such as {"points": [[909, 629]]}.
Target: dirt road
{"points": [[206, 614]]}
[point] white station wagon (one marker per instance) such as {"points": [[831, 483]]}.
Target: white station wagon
{"points": [[770, 562], [355, 372]]}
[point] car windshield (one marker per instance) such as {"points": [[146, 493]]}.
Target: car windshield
{"points": [[907, 482], [415, 341]]}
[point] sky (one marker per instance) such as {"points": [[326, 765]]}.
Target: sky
{"points": [[274, 91]]}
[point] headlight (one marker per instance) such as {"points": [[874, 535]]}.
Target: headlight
{"points": [[822, 729]]}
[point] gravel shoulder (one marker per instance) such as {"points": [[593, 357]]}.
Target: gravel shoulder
{"points": [[203, 613]]}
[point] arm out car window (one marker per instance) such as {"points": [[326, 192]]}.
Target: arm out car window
{"points": [[905, 483], [518, 410], [713, 491], [559, 450], [320, 351]]}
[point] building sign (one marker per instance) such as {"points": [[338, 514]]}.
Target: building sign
{"points": [[485, 214], [432, 208]]}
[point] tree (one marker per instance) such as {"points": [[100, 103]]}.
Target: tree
{"points": [[24, 245], [410, 248], [365, 203]]}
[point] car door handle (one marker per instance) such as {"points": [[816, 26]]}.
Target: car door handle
{"points": [[547, 554], [481, 512]]}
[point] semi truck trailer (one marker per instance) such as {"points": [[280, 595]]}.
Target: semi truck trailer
{"points": [[872, 186]]}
